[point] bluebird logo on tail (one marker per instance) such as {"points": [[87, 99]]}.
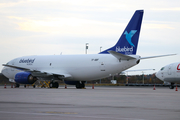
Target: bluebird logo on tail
{"points": [[129, 36]]}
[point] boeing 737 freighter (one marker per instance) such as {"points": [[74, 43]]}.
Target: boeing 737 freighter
{"points": [[170, 73], [76, 69]]}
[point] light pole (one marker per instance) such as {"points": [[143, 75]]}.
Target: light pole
{"points": [[127, 78], [143, 76], [100, 49], [86, 47]]}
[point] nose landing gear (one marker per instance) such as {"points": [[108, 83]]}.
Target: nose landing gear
{"points": [[171, 86]]}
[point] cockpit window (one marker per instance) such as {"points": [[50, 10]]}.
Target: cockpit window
{"points": [[162, 68]]}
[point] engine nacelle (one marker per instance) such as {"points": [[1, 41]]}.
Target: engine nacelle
{"points": [[24, 78], [71, 82]]}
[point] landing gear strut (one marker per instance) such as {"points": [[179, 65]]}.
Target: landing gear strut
{"points": [[53, 84], [80, 85], [171, 86]]}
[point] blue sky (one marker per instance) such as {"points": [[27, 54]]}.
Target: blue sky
{"points": [[48, 27]]}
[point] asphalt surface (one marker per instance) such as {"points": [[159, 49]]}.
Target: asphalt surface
{"points": [[106, 103]]}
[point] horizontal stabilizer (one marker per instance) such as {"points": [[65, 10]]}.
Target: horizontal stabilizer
{"points": [[120, 56], [157, 56]]}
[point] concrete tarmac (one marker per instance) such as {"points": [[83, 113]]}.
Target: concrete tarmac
{"points": [[101, 103]]}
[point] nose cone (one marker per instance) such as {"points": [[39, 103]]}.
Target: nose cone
{"points": [[4, 71], [158, 75]]}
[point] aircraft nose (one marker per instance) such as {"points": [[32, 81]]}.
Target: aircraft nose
{"points": [[157, 75], [4, 71]]}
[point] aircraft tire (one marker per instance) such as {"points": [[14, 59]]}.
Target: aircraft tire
{"points": [[17, 85], [83, 85], [80, 85], [56, 85], [171, 87], [50, 85], [53, 85]]}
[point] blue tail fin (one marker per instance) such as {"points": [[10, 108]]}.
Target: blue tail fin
{"points": [[128, 42]]}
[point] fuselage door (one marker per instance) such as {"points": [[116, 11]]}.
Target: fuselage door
{"points": [[102, 66]]}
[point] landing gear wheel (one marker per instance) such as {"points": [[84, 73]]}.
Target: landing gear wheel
{"points": [[56, 85], [83, 85], [17, 85], [171, 86], [80, 85], [53, 85], [50, 85]]}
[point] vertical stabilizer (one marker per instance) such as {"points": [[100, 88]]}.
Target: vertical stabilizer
{"points": [[128, 42]]}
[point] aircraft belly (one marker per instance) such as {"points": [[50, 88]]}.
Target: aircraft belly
{"points": [[172, 79], [86, 74]]}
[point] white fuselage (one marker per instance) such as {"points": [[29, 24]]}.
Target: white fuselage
{"points": [[170, 73], [80, 67]]}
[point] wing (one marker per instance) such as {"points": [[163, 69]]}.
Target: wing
{"points": [[38, 73]]}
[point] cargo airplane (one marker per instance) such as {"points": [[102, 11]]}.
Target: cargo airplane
{"points": [[76, 69]]}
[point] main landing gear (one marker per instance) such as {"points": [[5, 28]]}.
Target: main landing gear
{"points": [[17, 85], [80, 84], [53, 84], [171, 86]]}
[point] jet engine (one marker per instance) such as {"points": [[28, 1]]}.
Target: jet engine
{"points": [[24, 78]]}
